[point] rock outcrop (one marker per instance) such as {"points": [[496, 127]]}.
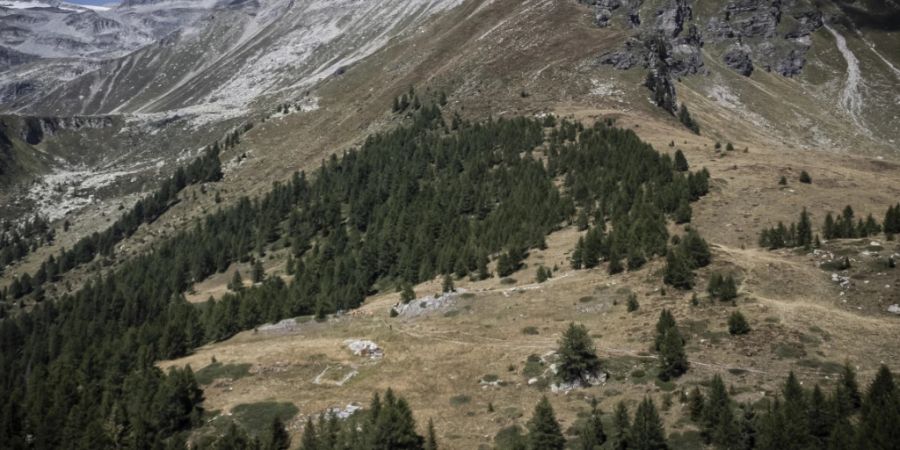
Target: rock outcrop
{"points": [[747, 30], [738, 58]]}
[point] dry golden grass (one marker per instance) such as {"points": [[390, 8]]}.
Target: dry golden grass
{"points": [[435, 358]]}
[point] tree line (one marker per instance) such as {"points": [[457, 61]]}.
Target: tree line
{"points": [[843, 226]]}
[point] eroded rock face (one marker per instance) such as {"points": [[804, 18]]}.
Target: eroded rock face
{"points": [[752, 32], [738, 58], [751, 26]]}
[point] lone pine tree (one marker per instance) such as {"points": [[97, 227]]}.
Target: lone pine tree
{"points": [[577, 355]]}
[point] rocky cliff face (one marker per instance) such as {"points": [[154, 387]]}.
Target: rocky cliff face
{"points": [[772, 35]]}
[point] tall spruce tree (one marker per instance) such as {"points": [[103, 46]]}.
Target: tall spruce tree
{"points": [[544, 432], [622, 425], [681, 163], [646, 432], [678, 271], [591, 435], [673, 360], [879, 424], [278, 438]]}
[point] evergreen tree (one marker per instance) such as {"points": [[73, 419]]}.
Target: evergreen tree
{"points": [[665, 322], [718, 419], [635, 258], [235, 439], [406, 293], [684, 116], [819, 417], [714, 287], [591, 435], [447, 285], [879, 424], [746, 428], [646, 432], [681, 163], [581, 222], [259, 273], [577, 356], [395, 428], [544, 432], [695, 249], [237, 282], [683, 213], [728, 289], [310, 440], [622, 424], [695, 404], [278, 438], [632, 304], [431, 439], [847, 396], [577, 254], [672, 359], [678, 271], [794, 407], [804, 230], [615, 263]]}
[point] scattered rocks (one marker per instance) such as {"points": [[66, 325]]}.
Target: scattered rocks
{"points": [[365, 348], [427, 304], [586, 381], [844, 281], [894, 309], [345, 412], [283, 326]]}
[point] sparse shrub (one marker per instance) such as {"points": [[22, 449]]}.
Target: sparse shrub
{"points": [[805, 178], [737, 324], [729, 147], [394, 313], [543, 274], [531, 331], [632, 303], [684, 116], [718, 145], [461, 399]]}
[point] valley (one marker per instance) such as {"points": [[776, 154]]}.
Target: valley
{"points": [[280, 88]]}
